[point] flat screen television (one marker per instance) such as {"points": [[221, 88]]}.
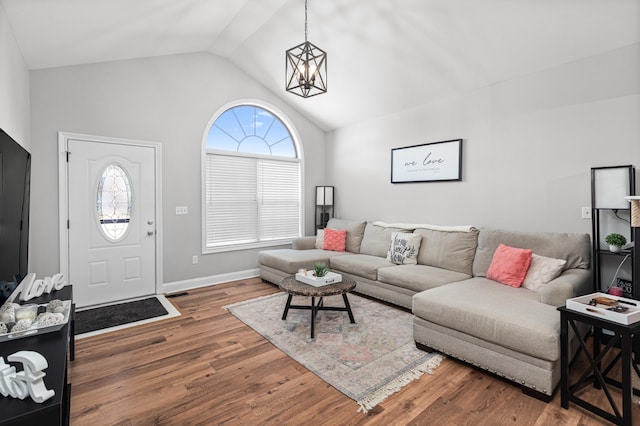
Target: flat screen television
{"points": [[15, 181]]}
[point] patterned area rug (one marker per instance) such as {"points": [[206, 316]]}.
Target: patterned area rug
{"points": [[367, 361]]}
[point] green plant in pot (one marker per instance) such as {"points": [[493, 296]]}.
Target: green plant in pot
{"points": [[320, 270], [615, 241]]}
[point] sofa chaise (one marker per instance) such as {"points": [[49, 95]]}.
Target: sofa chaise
{"points": [[513, 332]]}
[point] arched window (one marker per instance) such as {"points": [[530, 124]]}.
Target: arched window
{"points": [[252, 184]]}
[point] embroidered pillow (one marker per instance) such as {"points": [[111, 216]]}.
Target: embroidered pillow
{"points": [[320, 239], [404, 248], [541, 271], [334, 240], [509, 265]]}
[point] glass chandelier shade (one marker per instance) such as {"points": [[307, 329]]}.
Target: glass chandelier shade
{"points": [[306, 67]]}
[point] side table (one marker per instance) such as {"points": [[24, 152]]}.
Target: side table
{"points": [[627, 335], [298, 288]]}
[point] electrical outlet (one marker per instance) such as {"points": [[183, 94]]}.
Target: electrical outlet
{"points": [[182, 210], [194, 259], [586, 212]]}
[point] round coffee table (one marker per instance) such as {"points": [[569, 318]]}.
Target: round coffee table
{"points": [[298, 288]]}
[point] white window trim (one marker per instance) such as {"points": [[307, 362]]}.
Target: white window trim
{"points": [[203, 157]]}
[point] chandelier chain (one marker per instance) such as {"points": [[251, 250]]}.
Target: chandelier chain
{"points": [[305, 20]]}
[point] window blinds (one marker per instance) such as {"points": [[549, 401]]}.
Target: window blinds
{"points": [[251, 200]]}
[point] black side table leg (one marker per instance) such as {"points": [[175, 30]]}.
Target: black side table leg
{"points": [[564, 361], [348, 306], [286, 307], [627, 387], [597, 343]]}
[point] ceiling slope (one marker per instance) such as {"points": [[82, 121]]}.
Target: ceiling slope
{"points": [[383, 56]]}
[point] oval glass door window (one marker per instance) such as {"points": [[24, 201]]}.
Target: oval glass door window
{"points": [[114, 202]]}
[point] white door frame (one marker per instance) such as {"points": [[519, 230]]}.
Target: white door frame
{"points": [[63, 195]]}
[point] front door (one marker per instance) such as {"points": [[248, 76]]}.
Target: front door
{"points": [[112, 244]]}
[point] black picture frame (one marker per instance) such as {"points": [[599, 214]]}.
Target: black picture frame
{"points": [[429, 162]]}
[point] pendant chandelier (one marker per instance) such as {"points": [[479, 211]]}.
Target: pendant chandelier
{"points": [[306, 67]]}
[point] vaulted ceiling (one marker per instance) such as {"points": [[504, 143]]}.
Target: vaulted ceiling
{"points": [[384, 56]]}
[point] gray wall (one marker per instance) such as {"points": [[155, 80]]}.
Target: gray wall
{"points": [[529, 144], [166, 99], [14, 87]]}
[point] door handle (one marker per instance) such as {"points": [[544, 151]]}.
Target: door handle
{"points": [[150, 233]]}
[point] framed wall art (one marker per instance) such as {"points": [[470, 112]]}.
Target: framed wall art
{"points": [[429, 162]]}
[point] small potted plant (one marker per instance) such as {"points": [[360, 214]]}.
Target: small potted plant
{"points": [[320, 270], [615, 241]]}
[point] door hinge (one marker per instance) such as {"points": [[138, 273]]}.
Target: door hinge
{"points": [[68, 153], [67, 223]]}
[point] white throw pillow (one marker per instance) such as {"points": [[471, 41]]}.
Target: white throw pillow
{"points": [[541, 271], [320, 239], [404, 248]]}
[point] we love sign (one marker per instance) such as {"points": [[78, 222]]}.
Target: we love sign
{"points": [[430, 162], [29, 381]]}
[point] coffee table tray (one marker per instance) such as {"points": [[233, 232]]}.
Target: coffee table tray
{"points": [[330, 278]]}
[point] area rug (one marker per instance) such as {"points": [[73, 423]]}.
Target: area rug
{"points": [[90, 322], [367, 361]]}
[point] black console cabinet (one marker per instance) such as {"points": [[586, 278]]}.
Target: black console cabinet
{"points": [[55, 347]]}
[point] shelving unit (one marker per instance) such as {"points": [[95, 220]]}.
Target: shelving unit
{"points": [[609, 212]]}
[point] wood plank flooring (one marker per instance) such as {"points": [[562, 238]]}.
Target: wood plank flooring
{"points": [[208, 368]]}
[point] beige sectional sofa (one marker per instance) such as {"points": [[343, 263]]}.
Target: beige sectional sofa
{"points": [[512, 332]]}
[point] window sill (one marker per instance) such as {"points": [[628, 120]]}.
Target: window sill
{"points": [[247, 246]]}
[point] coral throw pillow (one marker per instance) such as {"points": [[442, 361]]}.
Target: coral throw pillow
{"points": [[509, 265], [335, 240]]}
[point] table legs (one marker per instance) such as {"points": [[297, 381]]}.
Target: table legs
{"points": [[314, 311], [564, 361], [348, 306], [596, 373], [314, 308], [286, 307]]}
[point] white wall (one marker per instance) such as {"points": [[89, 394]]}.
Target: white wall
{"points": [[14, 86], [166, 99], [529, 144]]}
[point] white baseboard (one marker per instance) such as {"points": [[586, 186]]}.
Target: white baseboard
{"points": [[207, 281]]}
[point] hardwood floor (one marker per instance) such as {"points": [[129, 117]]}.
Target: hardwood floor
{"points": [[208, 368]]}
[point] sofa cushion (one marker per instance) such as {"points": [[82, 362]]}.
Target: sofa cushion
{"points": [[509, 265], [334, 240], [418, 277], [507, 316], [355, 231], [362, 265], [376, 239], [290, 260], [404, 248], [542, 270], [452, 250], [574, 248], [320, 239]]}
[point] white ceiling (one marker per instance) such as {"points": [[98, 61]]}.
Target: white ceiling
{"points": [[384, 56]]}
